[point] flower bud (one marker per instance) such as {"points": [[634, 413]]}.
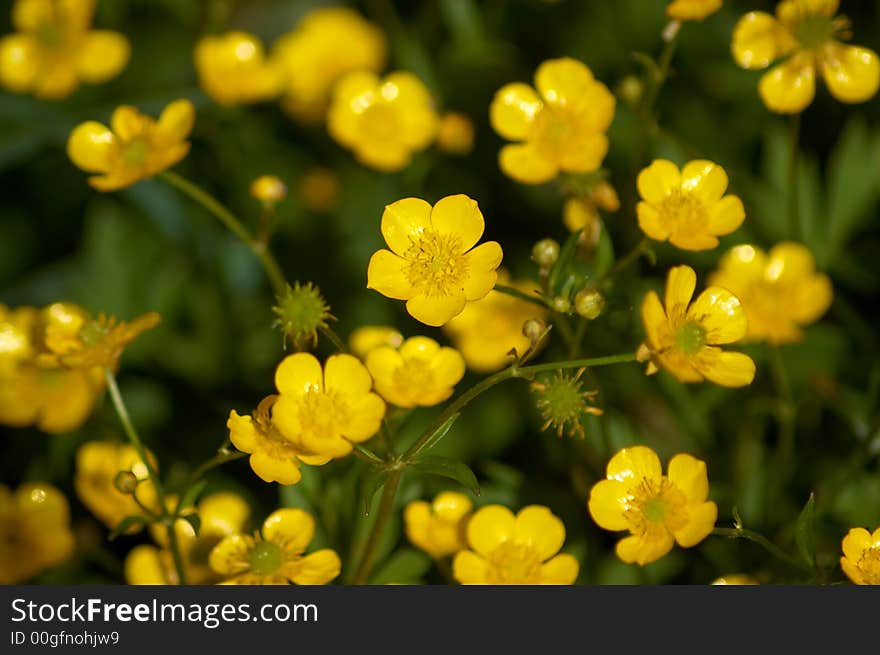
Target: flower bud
{"points": [[125, 482], [589, 303], [268, 189], [545, 253], [301, 312], [534, 330], [560, 304], [631, 89]]}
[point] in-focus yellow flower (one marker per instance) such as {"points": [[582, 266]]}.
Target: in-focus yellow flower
{"points": [[383, 121], [806, 34], [275, 555], [692, 9], [780, 291], [268, 189], [560, 124], [433, 264], [687, 207], [138, 147], [861, 556], [738, 579], [34, 531], [97, 465], [54, 49], [658, 510], [323, 412], [233, 70], [419, 373], [582, 212], [518, 550], [438, 528], [320, 190], [488, 329], [325, 45], [367, 337], [455, 133], [272, 457], [684, 337]]}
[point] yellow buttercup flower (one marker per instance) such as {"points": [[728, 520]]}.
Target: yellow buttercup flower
{"points": [[323, 412], [658, 510], [780, 291], [582, 212], [326, 44], [687, 207], [54, 49], [488, 329], [518, 550], [275, 555], [419, 373], [560, 124], [433, 264], [367, 337], [684, 337], [861, 556], [806, 34], [233, 70], [383, 121], [735, 579], [272, 457], [455, 133], [136, 148], [438, 528], [692, 9]]}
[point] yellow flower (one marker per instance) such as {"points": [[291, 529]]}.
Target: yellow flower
{"points": [[272, 457], [438, 528], [861, 556], [582, 212], [320, 190], [367, 337], [268, 189], [322, 413], [780, 290], [806, 34], [233, 70], [419, 373], [488, 329], [383, 121], [455, 133], [735, 579], [684, 337], [560, 126], [687, 207], [326, 44], [138, 147], [518, 550], [97, 465], [54, 49], [433, 264], [274, 556], [658, 510], [692, 9], [34, 531]]}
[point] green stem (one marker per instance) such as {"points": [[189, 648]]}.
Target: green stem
{"points": [[386, 504], [334, 338], [786, 412], [628, 259], [793, 199], [761, 540], [217, 460], [664, 66], [176, 555], [516, 293], [367, 455]]}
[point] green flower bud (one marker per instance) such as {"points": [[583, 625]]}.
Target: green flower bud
{"points": [[589, 303], [545, 253]]}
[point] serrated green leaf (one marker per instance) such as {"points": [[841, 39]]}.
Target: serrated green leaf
{"points": [[805, 531], [449, 468], [135, 520]]}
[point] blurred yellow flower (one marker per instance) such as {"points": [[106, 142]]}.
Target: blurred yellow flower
{"points": [[517, 550], [433, 264], [233, 70], [560, 124], [738, 579], [658, 510], [861, 556], [138, 147], [684, 337], [367, 337], [275, 555], [325, 45], [323, 412], [320, 190], [438, 528], [383, 121], [34, 531], [54, 49], [488, 329], [780, 291], [268, 189], [806, 34], [455, 133], [582, 212], [419, 373], [692, 9], [688, 207]]}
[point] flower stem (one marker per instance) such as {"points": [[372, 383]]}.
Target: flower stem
{"points": [[761, 540], [786, 414], [516, 293], [627, 260], [334, 338], [219, 459], [386, 504], [793, 199]]}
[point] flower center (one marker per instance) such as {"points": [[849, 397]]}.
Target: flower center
{"points": [[513, 564], [690, 338], [869, 565], [553, 131], [656, 504], [686, 212], [379, 122], [321, 414], [265, 558], [415, 374], [436, 265], [50, 34], [814, 31], [136, 151]]}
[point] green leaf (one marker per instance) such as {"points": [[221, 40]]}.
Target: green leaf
{"points": [[406, 566], [439, 433], [135, 520], [373, 482], [559, 270], [449, 468], [194, 520], [805, 531]]}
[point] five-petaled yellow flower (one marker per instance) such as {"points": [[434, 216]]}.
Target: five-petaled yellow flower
{"points": [[275, 554], [658, 510], [322, 413], [136, 148], [560, 124], [54, 49], [687, 207], [516, 550], [433, 264], [861, 556], [34, 531], [780, 291], [806, 33], [419, 373], [383, 121], [438, 527], [692, 9], [233, 70], [684, 337]]}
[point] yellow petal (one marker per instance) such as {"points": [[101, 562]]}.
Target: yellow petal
{"points": [[727, 369], [385, 274], [232, 555], [382, 363], [632, 465], [585, 153], [404, 222], [562, 569], [419, 347], [271, 469], [482, 262], [789, 87], [639, 550], [720, 313], [856, 541], [451, 506], [469, 568], [658, 180], [461, 216], [30, 15], [101, 56], [77, 14], [654, 320], [176, 121], [242, 432], [490, 527], [680, 284], [367, 337], [851, 73], [812, 298], [448, 367], [413, 101], [144, 566], [537, 526], [607, 504], [704, 179], [852, 571], [223, 513], [435, 310], [513, 110], [563, 81], [298, 374], [367, 413], [726, 215], [689, 474], [92, 147], [316, 568], [756, 40], [20, 62], [651, 222], [692, 9], [314, 460], [114, 181], [293, 529], [701, 522], [345, 374], [525, 164]]}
